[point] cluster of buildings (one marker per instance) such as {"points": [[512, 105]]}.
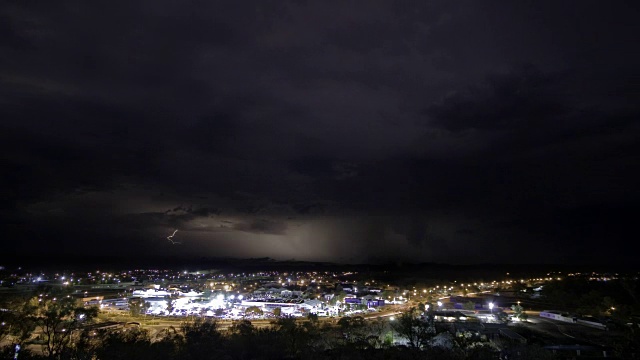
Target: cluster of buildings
{"points": [[210, 293], [255, 294], [230, 301]]}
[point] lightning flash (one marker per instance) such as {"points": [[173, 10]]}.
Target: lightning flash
{"points": [[170, 238]]}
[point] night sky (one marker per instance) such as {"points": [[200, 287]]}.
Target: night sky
{"points": [[456, 132]]}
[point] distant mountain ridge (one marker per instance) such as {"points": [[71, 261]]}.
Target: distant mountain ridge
{"points": [[230, 264]]}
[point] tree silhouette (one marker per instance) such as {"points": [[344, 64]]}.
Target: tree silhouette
{"points": [[417, 331], [59, 317]]}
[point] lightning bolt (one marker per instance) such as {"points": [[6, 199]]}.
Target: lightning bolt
{"points": [[170, 238]]}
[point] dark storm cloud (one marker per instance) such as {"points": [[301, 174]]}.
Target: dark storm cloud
{"points": [[177, 217], [435, 131], [521, 99]]}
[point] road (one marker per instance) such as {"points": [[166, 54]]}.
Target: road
{"points": [[160, 324]]}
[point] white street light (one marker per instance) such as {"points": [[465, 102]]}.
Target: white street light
{"points": [[491, 307]]}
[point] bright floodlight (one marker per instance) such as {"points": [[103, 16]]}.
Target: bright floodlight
{"points": [[490, 305], [426, 307], [232, 297], [439, 303], [240, 297]]}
